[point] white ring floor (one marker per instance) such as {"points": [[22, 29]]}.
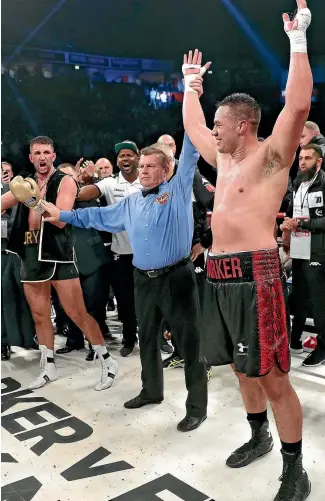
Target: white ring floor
{"points": [[145, 440]]}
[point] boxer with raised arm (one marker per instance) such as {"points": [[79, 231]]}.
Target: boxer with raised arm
{"points": [[245, 312], [47, 256]]}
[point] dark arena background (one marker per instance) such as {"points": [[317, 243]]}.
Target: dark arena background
{"points": [[91, 74]]}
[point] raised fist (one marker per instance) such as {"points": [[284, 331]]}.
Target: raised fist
{"points": [[27, 192]]}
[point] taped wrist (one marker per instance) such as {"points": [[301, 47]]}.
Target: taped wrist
{"points": [[298, 42], [297, 37], [189, 78]]}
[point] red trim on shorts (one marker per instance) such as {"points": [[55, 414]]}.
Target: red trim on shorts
{"points": [[271, 312]]}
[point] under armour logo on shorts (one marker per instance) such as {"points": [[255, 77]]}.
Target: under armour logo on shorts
{"points": [[242, 349]]}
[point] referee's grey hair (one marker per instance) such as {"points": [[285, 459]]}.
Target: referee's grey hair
{"points": [[153, 150]]}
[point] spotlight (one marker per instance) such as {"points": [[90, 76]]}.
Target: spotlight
{"points": [[77, 67], [210, 72]]}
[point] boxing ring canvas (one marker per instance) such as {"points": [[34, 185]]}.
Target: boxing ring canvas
{"points": [[68, 442]]}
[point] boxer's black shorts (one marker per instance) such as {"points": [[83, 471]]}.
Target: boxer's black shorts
{"points": [[33, 270], [245, 319]]}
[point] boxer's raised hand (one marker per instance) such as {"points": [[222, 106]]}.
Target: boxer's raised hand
{"points": [[27, 192], [192, 68], [296, 28]]}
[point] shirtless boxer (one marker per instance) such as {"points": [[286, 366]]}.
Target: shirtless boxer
{"points": [[47, 258], [244, 305]]}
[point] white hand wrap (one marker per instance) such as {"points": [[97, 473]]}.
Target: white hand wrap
{"points": [[298, 39], [189, 78]]}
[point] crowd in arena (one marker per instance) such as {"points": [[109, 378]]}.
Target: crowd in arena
{"points": [[77, 238]]}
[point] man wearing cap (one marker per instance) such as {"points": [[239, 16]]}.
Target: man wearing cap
{"points": [[159, 223], [114, 189]]}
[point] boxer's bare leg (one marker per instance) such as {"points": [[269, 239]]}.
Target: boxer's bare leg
{"points": [[252, 393], [71, 298], [285, 405], [287, 411], [38, 296]]}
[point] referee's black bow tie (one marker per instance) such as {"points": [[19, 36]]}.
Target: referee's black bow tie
{"points": [[154, 190]]}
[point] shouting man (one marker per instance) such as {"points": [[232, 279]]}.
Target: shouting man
{"points": [[48, 258]]}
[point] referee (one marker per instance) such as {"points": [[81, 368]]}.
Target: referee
{"points": [[159, 223]]}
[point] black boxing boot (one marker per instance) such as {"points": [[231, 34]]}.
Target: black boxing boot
{"points": [[295, 484], [260, 444]]}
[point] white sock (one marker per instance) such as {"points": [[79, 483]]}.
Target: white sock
{"points": [[101, 350], [49, 353]]}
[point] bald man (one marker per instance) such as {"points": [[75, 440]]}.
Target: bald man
{"points": [[104, 168], [168, 141], [311, 135]]}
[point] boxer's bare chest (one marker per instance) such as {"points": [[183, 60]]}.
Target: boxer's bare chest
{"points": [[237, 181]]}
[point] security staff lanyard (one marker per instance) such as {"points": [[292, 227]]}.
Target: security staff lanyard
{"points": [[301, 239]]}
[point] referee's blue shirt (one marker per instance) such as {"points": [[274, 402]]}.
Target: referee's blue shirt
{"points": [[159, 226]]}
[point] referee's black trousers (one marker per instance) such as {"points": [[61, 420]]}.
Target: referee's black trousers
{"points": [[174, 297]]}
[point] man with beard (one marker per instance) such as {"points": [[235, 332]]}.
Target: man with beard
{"points": [[48, 259], [307, 249], [120, 276]]}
